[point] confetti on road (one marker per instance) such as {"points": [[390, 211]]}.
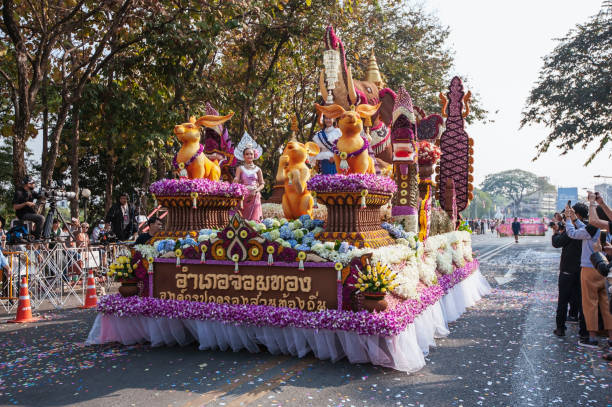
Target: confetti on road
{"points": [[500, 352]]}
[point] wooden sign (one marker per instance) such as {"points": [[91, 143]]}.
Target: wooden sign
{"points": [[255, 283]]}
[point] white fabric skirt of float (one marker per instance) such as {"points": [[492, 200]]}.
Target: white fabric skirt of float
{"points": [[404, 352]]}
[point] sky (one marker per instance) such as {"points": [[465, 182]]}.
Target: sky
{"points": [[499, 46]]}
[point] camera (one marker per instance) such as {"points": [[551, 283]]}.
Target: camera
{"points": [[107, 238], [56, 194], [600, 263]]}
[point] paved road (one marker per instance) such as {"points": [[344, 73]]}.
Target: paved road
{"points": [[499, 353]]}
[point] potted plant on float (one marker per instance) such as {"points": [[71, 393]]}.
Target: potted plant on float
{"points": [[121, 270], [375, 283]]}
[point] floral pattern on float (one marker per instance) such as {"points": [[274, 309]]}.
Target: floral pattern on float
{"points": [[411, 260]]}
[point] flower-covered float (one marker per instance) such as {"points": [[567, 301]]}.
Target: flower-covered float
{"points": [[352, 285]]}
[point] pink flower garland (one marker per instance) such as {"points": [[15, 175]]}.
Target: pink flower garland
{"points": [[203, 186], [351, 183]]}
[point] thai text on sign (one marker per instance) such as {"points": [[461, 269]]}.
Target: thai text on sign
{"points": [[313, 289]]}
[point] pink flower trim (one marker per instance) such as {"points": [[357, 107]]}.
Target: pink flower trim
{"points": [[387, 323], [203, 186]]}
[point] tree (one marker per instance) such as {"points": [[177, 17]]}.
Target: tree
{"points": [[62, 42], [573, 95], [512, 184], [480, 207]]}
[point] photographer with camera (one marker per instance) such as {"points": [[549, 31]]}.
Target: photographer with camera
{"points": [[569, 278], [593, 284], [23, 204], [122, 217]]}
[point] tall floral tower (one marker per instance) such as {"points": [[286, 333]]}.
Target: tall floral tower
{"points": [[456, 163], [405, 165]]}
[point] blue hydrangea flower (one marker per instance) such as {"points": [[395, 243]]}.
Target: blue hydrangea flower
{"points": [[292, 242], [307, 240], [298, 234], [302, 247], [318, 223], [344, 247], [308, 224], [286, 233], [266, 235], [269, 222], [304, 218]]}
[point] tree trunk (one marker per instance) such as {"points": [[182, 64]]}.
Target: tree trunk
{"points": [[146, 180], [19, 167], [47, 171], [45, 129], [74, 161]]}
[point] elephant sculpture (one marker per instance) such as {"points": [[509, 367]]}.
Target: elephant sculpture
{"points": [[350, 92]]}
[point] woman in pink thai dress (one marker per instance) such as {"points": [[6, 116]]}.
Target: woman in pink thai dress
{"points": [[250, 175]]}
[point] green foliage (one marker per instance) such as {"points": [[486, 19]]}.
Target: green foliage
{"points": [[515, 185], [260, 59], [481, 206], [573, 95]]}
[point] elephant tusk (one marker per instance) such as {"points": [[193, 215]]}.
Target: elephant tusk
{"points": [[351, 87]]}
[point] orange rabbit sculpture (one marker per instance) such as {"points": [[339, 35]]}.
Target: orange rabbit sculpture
{"points": [[190, 161], [351, 149], [293, 173]]}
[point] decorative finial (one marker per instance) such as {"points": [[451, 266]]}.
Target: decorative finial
{"points": [[373, 73], [294, 124]]}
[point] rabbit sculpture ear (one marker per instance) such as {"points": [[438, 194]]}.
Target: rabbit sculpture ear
{"points": [[212, 121], [332, 111], [312, 148], [367, 110]]}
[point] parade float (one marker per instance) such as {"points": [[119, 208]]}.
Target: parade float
{"points": [[356, 284], [529, 227]]}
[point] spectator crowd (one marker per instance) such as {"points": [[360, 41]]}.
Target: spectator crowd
{"points": [[582, 233]]}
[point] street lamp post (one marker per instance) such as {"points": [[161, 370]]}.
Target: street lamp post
{"points": [[85, 194]]}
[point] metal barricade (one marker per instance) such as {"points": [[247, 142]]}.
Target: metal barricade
{"points": [[9, 287], [57, 273]]}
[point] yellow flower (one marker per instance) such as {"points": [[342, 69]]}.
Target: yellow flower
{"points": [[360, 280], [377, 284], [362, 289], [383, 290]]}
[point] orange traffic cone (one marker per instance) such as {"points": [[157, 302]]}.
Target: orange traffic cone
{"points": [[91, 299], [24, 310]]}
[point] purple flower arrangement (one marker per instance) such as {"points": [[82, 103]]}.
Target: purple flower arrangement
{"points": [[387, 323], [176, 187], [351, 183]]}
